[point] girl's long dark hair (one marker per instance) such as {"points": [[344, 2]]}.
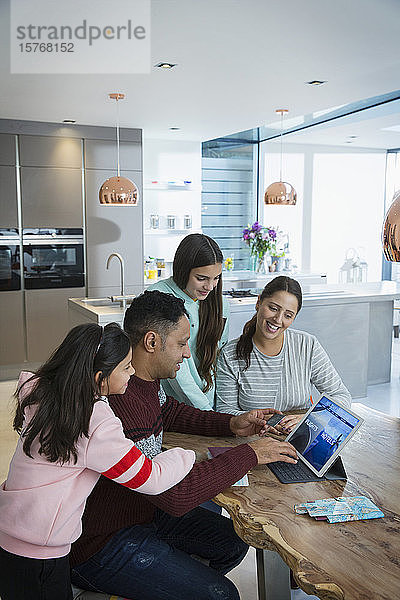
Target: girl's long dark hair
{"points": [[244, 345], [65, 389], [199, 250]]}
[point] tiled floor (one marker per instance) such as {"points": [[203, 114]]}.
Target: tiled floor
{"points": [[385, 397]]}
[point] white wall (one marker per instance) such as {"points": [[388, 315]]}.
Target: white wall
{"points": [[340, 204], [165, 161]]}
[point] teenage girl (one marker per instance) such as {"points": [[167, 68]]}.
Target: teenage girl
{"points": [[196, 278], [68, 437]]}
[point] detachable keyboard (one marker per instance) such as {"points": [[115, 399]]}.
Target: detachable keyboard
{"points": [[293, 473]]}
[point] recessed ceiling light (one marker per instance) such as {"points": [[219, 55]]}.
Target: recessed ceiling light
{"points": [[165, 65], [174, 128], [316, 82], [70, 121]]}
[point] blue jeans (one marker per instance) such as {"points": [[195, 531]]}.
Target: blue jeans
{"points": [[151, 561]]}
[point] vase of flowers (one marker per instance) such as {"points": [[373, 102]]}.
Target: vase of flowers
{"points": [[262, 243]]}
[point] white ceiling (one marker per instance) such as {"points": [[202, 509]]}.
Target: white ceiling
{"points": [[238, 60]]}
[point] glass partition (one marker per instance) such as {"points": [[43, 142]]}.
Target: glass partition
{"points": [[229, 195]]}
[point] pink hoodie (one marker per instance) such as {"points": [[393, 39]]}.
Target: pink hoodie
{"points": [[41, 503]]}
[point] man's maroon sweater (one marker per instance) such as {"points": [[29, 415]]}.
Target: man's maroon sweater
{"points": [[111, 507]]}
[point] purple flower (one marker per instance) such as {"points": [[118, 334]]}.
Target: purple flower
{"points": [[272, 233]]}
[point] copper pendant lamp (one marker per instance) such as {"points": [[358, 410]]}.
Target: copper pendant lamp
{"points": [[118, 191], [280, 192], [391, 231]]}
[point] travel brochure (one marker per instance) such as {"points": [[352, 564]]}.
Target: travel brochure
{"points": [[340, 509]]}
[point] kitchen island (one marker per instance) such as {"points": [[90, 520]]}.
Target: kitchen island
{"points": [[353, 322]]}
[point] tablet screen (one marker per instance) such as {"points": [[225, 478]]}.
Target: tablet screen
{"points": [[324, 431]]}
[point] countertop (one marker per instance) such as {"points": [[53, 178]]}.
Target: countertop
{"points": [[313, 295]]}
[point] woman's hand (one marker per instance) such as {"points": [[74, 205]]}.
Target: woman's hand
{"points": [[288, 423], [252, 422]]}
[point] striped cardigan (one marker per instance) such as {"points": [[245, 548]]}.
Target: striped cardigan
{"points": [[305, 363]]}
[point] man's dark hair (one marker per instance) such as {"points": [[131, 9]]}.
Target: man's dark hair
{"points": [[153, 311]]}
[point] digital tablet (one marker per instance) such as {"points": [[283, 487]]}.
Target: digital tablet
{"points": [[323, 432]]}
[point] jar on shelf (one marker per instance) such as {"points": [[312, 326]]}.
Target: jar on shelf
{"points": [[154, 221], [171, 221], [187, 221], [160, 267], [152, 269]]}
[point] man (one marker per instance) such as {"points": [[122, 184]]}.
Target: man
{"points": [[142, 547]]}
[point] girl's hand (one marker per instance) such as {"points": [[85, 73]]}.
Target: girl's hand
{"points": [[288, 423]]}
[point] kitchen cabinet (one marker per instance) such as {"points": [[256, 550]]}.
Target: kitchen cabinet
{"points": [[12, 349], [47, 320], [58, 166], [8, 197], [46, 151], [7, 149], [51, 197], [102, 154]]}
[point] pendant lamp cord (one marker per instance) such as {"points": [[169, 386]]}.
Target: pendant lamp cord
{"points": [[117, 137]]}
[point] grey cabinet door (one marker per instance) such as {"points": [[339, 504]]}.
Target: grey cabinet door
{"points": [[8, 197], [7, 149], [113, 229], [46, 151], [12, 348], [47, 320], [102, 154], [51, 197]]}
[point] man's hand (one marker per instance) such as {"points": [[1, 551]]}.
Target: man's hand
{"points": [[269, 450], [251, 422]]}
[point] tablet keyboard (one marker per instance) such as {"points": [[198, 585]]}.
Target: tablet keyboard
{"points": [[293, 473]]}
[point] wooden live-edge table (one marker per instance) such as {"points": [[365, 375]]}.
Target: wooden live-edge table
{"points": [[357, 560]]}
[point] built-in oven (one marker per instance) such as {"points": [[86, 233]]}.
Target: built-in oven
{"points": [[10, 268], [53, 258]]}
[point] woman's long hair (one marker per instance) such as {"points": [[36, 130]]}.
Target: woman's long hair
{"points": [[65, 389], [244, 345], [199, 250]]}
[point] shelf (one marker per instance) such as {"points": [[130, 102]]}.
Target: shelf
{"points": [[171, 189], [171, 231]]}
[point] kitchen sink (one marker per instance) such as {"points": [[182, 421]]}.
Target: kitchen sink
{"points": [[100, 302]]}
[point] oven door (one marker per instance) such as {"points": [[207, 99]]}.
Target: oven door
{"points": [[50, 263], [10, 269]]}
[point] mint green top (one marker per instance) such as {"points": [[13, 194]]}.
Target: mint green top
{"points": [[188, 385]]}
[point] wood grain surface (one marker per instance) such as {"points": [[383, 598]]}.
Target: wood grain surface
{"points": [[357, 560]]}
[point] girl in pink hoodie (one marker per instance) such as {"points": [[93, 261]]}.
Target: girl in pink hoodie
{"points": [[68, 437]]}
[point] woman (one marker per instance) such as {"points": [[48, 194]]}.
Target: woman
{"points": [[271, 366], [196, 278]]}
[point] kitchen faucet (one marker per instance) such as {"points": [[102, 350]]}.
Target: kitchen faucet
{"points": [[122, 269]]}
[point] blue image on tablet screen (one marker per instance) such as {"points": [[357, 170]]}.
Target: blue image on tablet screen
{"points": [[323, 432]]}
